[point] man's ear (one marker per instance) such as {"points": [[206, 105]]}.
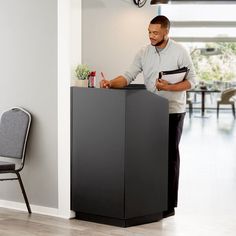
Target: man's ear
{"points": [[166, 33]]}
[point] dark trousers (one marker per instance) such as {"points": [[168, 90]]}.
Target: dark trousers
{"points": [[175, 131]]}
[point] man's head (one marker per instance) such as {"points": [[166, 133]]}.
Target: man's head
{"points": [[158, 30]]}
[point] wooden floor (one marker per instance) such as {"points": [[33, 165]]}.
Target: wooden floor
{"points": [[207, 199]]}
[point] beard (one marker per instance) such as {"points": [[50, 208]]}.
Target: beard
{"points": [[160, 43]]}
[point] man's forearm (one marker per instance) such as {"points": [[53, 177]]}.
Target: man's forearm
{"points": [[185, 85], [182, 86], [118, 82]]}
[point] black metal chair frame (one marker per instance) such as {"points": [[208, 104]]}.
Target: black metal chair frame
{"points": [[190, 104], [10, 168]]}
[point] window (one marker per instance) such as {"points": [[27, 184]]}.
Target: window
{"points": [[206, 26], [201, 21]]}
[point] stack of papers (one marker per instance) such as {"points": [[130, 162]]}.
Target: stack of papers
{"points": [[174, 76]]}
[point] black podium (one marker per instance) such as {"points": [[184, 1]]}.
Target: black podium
{"points": [[119, 155]]}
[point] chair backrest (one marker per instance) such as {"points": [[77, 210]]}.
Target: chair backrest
{"points": [[14, 130], [227, 94]]}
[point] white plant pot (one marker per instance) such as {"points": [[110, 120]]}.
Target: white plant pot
{"points": [[80, 83]]}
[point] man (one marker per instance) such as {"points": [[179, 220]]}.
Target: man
{"points": [[163, 54]]}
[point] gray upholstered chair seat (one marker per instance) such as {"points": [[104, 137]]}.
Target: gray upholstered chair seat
{"points": [[6, 166]]}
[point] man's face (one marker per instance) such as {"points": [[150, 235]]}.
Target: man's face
{"points": [[157, 34]]}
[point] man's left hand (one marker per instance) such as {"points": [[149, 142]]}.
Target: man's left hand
{"points": [[161, 84]]}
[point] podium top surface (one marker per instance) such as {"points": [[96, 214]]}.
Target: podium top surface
{"points": [[135, 86], [129, 87], [132, 89]]}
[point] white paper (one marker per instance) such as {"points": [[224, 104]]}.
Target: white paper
{"points": [[174, 78]]}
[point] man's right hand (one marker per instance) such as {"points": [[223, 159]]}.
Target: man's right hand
{"points": [[105, 83], [118, 82]]}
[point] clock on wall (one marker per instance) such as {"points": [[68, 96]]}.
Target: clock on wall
{"points": [[140, 3]]}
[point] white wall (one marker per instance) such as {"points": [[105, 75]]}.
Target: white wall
{"points": [[28, 65], [112, 33], [40, 40], [69, 53]]}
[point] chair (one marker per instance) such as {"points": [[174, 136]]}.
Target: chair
{"points": [[14, 130], [189, 102], [226, 98]]}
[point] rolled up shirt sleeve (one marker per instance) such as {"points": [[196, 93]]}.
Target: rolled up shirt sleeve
{"points": [[135, 68]]}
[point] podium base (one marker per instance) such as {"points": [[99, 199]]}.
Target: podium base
{"points": [[119, 222]]}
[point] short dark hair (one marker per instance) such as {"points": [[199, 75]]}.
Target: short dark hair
{"points": [[162, 20]]}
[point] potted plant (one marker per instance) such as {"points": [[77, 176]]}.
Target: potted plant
{"points": [[82, 72]]}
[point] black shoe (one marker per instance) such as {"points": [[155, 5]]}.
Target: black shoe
{"points": [[168, 213]]}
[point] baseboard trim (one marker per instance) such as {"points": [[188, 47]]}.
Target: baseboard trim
{"points": [[37, 209]]}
